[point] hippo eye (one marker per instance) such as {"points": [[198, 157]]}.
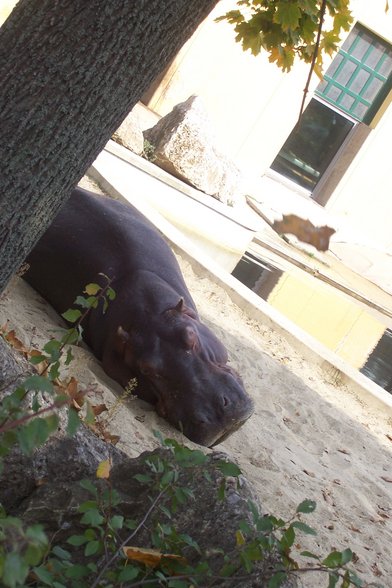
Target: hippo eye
{"points": [[190, 338]]}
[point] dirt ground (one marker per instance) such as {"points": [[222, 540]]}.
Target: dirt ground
{"points": [[308, 438]]}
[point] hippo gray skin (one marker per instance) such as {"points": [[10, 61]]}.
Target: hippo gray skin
{"points": [[151, 330]]}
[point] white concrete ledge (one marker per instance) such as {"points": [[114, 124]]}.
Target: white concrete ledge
{"points": [[335, 368]]}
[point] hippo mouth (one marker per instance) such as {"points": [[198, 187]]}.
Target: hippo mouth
{"points": [[229, 432], [202, 432]]}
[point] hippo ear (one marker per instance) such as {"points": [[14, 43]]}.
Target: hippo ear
{"points": [[180, 306]]}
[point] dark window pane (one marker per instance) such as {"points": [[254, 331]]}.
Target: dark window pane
{"points": [[312, 145]]}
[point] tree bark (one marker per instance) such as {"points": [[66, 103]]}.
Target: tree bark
{"points": [[70, 72]]}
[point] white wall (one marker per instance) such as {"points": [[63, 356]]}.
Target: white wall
{"points": [[252, 104], [254, 107]]}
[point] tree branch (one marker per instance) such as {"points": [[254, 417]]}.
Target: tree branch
{"points": [[314, 57]]}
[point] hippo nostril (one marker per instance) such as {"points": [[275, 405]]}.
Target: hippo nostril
{"points": [[225, 401]]}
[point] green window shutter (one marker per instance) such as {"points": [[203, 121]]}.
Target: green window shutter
{"points": [[360, 76]]}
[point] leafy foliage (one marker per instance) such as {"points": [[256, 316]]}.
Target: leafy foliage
{"points": [[287, 29]]}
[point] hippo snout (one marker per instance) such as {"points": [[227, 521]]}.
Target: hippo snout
{"points": [[218, 411]]}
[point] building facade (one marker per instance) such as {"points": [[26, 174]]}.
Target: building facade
{"points": [[339, 154]]}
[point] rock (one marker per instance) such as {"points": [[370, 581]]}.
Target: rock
{"points": [[184, 147], [130, 134], [55, 505], [62, 458]]}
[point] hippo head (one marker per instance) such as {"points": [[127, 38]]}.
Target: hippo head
{"points": [[181, 365]]}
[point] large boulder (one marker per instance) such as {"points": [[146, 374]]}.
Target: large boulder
{"points": [[184, 146], [55, 505], [62, 458]]}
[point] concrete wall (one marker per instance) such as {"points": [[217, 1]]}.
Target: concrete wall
{"points": [[331, 317]]}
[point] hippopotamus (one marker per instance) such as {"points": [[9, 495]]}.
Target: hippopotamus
{"points": [[151, 331]]}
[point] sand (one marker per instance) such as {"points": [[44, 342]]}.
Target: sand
{"points": [[308, 437]]}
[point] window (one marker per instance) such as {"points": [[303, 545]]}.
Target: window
{"points": [[358, 79], [312, 145], [353, 89]]}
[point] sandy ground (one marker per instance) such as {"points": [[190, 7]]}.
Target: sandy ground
{"points": [[308, 438]]}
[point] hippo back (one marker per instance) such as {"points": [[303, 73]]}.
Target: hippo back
{"points": [[151, 330]]}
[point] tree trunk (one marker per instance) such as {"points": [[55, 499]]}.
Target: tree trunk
{"points": [[70, 72]]}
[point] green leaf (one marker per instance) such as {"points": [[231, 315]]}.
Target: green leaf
{"points": [[178, 584], [73, 421], [333, 579], [82, 301], [277, 580], [77, 571], [72, 336], [347, 556], [288, 538], [168, 478], [88, 485], [33, 434], [40, 383], [44, 575], [53, 349], [309, 554], [69, 357], [229, 469], [54, 371], [90, 534], [354, 579], [88, 505], [34, 359], [333, 560], [72, 315], [306, 506], [110, 293], [304, 528], [90, 416], [15, 570], [61, 553], [128, 574], [183, 495], [77, 540], [33, 554], [91, 548], [287, 14], [37, 534], [92, 517], [222, 490], [92, 289], [143, 478], [117, 522]]}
